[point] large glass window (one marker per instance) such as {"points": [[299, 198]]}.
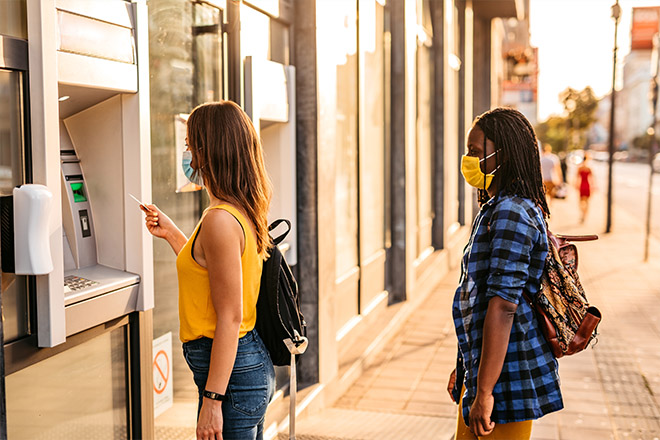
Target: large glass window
{"points": [[337, 73], [15, 305], [80, 393], [186, 69], [255, 33], [263, 37], [424, 181], [373, 137]]}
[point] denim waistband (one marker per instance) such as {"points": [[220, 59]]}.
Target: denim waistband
{"points": [[246, 339]]}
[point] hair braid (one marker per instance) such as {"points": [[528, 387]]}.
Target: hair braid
{"points": [[520, 162]]}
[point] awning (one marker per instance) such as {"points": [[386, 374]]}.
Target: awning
{"points": [[490, 9]]}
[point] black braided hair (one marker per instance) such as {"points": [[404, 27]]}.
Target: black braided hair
{"points": [[519, 160]]}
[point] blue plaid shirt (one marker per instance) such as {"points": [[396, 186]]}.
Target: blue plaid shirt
{"points": [[506, 255]]}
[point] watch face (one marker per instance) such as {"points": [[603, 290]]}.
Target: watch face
{"points": [[214, 396]]}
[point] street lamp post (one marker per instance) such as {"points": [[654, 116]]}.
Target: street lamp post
{"points": [[653, 95], [616, 13]]}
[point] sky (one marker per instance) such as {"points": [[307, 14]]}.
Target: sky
{"points": [[575, 40]]}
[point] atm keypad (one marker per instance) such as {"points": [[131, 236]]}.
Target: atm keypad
{"points": [[73, 283]]}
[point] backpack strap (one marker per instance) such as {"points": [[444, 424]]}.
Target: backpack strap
{"points": [[277, 240]]}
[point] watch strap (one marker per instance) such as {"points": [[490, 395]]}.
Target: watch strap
{"points": [[214, 396]]}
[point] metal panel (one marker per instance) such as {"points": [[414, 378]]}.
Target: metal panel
{"points": [[87, 314], [111, 11], [85, 71], [3, 404], [13, 53]]}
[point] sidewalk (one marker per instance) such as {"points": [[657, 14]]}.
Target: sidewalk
{"points": [[610, 391]]}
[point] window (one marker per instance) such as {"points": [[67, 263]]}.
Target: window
{"points": [[82, 393]]}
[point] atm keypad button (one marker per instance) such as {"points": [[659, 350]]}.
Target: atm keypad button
{"points": [[74, 283]]}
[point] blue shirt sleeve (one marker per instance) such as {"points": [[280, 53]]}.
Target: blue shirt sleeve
{"points": [[512, 238]]}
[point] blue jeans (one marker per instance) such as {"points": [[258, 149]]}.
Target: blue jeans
{"points": [[250, 388]]}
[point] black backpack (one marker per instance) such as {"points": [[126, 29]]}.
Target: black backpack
{"points": [[280, 323]]}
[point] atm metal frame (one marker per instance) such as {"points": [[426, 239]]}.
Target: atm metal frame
{"points": [[25, 352], [14, 57]]}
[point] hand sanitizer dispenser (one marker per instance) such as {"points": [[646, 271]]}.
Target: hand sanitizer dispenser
{"points": [[31, 242]]}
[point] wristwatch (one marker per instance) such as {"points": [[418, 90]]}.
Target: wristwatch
{"points": [[214, 396]]}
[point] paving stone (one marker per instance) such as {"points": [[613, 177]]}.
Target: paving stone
{"points": [[585, 434], [381, 404]]}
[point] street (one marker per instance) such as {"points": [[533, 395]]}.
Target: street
{"points": [[630, 190]]}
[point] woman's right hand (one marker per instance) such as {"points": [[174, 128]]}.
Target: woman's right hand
{"points": [[158, 224], [451, 384]]}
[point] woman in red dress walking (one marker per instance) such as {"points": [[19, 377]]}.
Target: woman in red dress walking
{"points": [[584, 185]]}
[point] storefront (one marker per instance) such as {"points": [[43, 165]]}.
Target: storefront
{"points": [[362, 107]]}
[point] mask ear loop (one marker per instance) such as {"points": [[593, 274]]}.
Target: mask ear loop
{"points": [[485, 176]]}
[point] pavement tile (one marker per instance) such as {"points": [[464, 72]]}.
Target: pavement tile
{"points": [[423, 395], [582, 420], [431, 409], [347, 401], [382, 382], [381, 405], [572, 433], [547, 431], [408, 376], [385, 394]]}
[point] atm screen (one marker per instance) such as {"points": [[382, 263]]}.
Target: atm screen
{"points": [[78, 192]]}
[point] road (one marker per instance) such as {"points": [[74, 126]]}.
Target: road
{"points": [[630, 190]]}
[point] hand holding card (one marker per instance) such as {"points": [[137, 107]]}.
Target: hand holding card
{"points": [[142, 205]]}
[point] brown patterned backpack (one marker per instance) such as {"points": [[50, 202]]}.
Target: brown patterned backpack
{"points": [[566, 318]]}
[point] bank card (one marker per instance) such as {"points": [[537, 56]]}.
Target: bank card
{"points": [[142, 205]]}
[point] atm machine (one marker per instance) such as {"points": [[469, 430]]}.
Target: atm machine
{"points": [[84, 277], [91, 149], [88, 352]]}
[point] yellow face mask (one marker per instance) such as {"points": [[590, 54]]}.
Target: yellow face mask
{"points": [[472, 173]]}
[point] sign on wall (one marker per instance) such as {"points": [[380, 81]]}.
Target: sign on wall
{"points": [[162, 372]]}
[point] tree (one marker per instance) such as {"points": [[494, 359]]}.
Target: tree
{"points": [[581, 113], [569, 132], [553, 131]]}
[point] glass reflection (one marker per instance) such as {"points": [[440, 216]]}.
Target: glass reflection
{"points": [[372, 138], [337, 76], [13, 18], [186, 69], [15, 309], [77, 394]]}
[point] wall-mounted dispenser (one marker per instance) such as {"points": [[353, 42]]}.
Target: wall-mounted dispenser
{"points": [[32, 205]]}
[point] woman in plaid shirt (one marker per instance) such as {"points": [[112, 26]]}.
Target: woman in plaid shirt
{"points": [[505, 375]]}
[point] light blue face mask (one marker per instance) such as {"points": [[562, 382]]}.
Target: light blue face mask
{"points": [[189, 171]]}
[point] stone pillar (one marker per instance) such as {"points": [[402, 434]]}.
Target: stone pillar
{"points": [[307, 269]]}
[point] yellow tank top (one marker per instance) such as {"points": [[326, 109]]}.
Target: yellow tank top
{"points": [[197, 316]]}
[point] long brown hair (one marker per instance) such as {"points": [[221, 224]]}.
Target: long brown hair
{"points": [[227, 153]]}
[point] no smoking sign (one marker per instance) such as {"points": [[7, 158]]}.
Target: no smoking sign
{"points": [[161, 371], [162, 374]]}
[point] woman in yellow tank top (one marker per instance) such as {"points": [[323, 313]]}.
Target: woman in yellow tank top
{"points": [[219, 272]]}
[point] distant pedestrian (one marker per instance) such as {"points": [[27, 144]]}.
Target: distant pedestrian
{"points": [[585, 185], [505, 374], [551, 171], [563, 166]]}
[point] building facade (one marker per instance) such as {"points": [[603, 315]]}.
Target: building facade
{"points": [[363, 108], [637, 75]]}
